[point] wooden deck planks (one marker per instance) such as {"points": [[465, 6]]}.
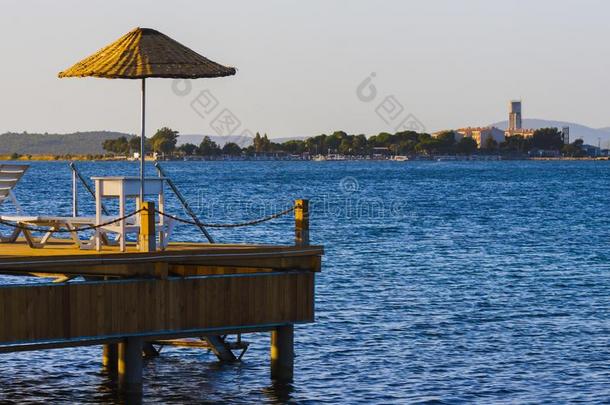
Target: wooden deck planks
{"points": [[182, 259]]}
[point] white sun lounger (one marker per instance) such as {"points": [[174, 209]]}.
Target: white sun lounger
{"points": [[55, 223], [10, 176]]}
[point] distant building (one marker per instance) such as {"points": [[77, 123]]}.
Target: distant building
{"points": [[565, 135], [380, 152], [524, 132], [456, 135], [482, 134], [591, 150], [544, 153], [514, 115], [515, 126]]}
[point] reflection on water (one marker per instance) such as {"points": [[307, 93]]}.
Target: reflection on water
{"points": [[279, 393]]}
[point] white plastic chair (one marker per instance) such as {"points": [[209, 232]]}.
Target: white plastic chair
{"points": [[9, 177]]}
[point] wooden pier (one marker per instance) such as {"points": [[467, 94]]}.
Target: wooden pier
{"points": [[129, 300]]}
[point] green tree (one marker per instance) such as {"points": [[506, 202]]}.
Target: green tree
{"points": [[208, 147], [428, 145], [261, 143], [122, 145], [334, 141], [345, 147], [266, 144], [231, 149], [188, 149], [257, 143], [516, 143], [574, 149], [446, 141], [294, 146], [117, 146], [164, 140], [134, 144], [407, 147], [547, 138], [316, 145], [360, 145], [490, 143], [108, 145], [466, 146]]}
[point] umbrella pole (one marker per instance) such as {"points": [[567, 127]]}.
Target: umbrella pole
{"points": [[142, 141]]}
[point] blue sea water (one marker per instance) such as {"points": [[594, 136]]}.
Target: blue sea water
{"points": [[443, 282]]}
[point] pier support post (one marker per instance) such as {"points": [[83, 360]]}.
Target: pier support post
{"points": [[130, 365], [220, 349], [110, 357], [301, 222], [282, 353], [148, 237], [149, 350]]}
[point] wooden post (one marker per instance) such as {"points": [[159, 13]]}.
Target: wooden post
{"points": [[301, 222], [149, 350], [99, 192], [110, 357], [282, 353], [130, 365], [220, 348], [148, 237], [122, 198], [74, 192]]}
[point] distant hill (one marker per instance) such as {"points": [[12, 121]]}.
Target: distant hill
{"points": [[605, 129], [78, 143], [588, 134], [90, 142]]}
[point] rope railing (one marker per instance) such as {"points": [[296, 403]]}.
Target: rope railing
{"points": [[237, 225], [173, 217], [81, 229]]}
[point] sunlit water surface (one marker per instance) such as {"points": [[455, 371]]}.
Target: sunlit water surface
{"points": [[443, 282]]}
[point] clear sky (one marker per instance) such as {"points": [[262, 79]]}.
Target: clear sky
{"points": [[450, 63]]}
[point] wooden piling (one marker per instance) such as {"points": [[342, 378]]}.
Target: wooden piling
{"points": [[148, 237], [282, 353], [220, 348], [110, 357], [149, 350], [130, 364], [301, 222]]}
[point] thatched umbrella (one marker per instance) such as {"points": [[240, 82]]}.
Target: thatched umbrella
{"points": [[143, 53]]}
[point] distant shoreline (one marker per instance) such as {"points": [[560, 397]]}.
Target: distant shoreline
{"points": [[476, 158]]}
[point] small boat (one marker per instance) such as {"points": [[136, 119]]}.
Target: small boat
{"points": [[400, 158]]}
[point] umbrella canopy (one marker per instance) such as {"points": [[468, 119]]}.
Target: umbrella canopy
{"points": [[143, 53]]}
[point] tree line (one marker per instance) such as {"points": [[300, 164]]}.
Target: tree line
{"points": [[165, 140]]}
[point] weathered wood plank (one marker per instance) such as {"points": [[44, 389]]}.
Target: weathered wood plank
{"points": [[79, 310]]}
